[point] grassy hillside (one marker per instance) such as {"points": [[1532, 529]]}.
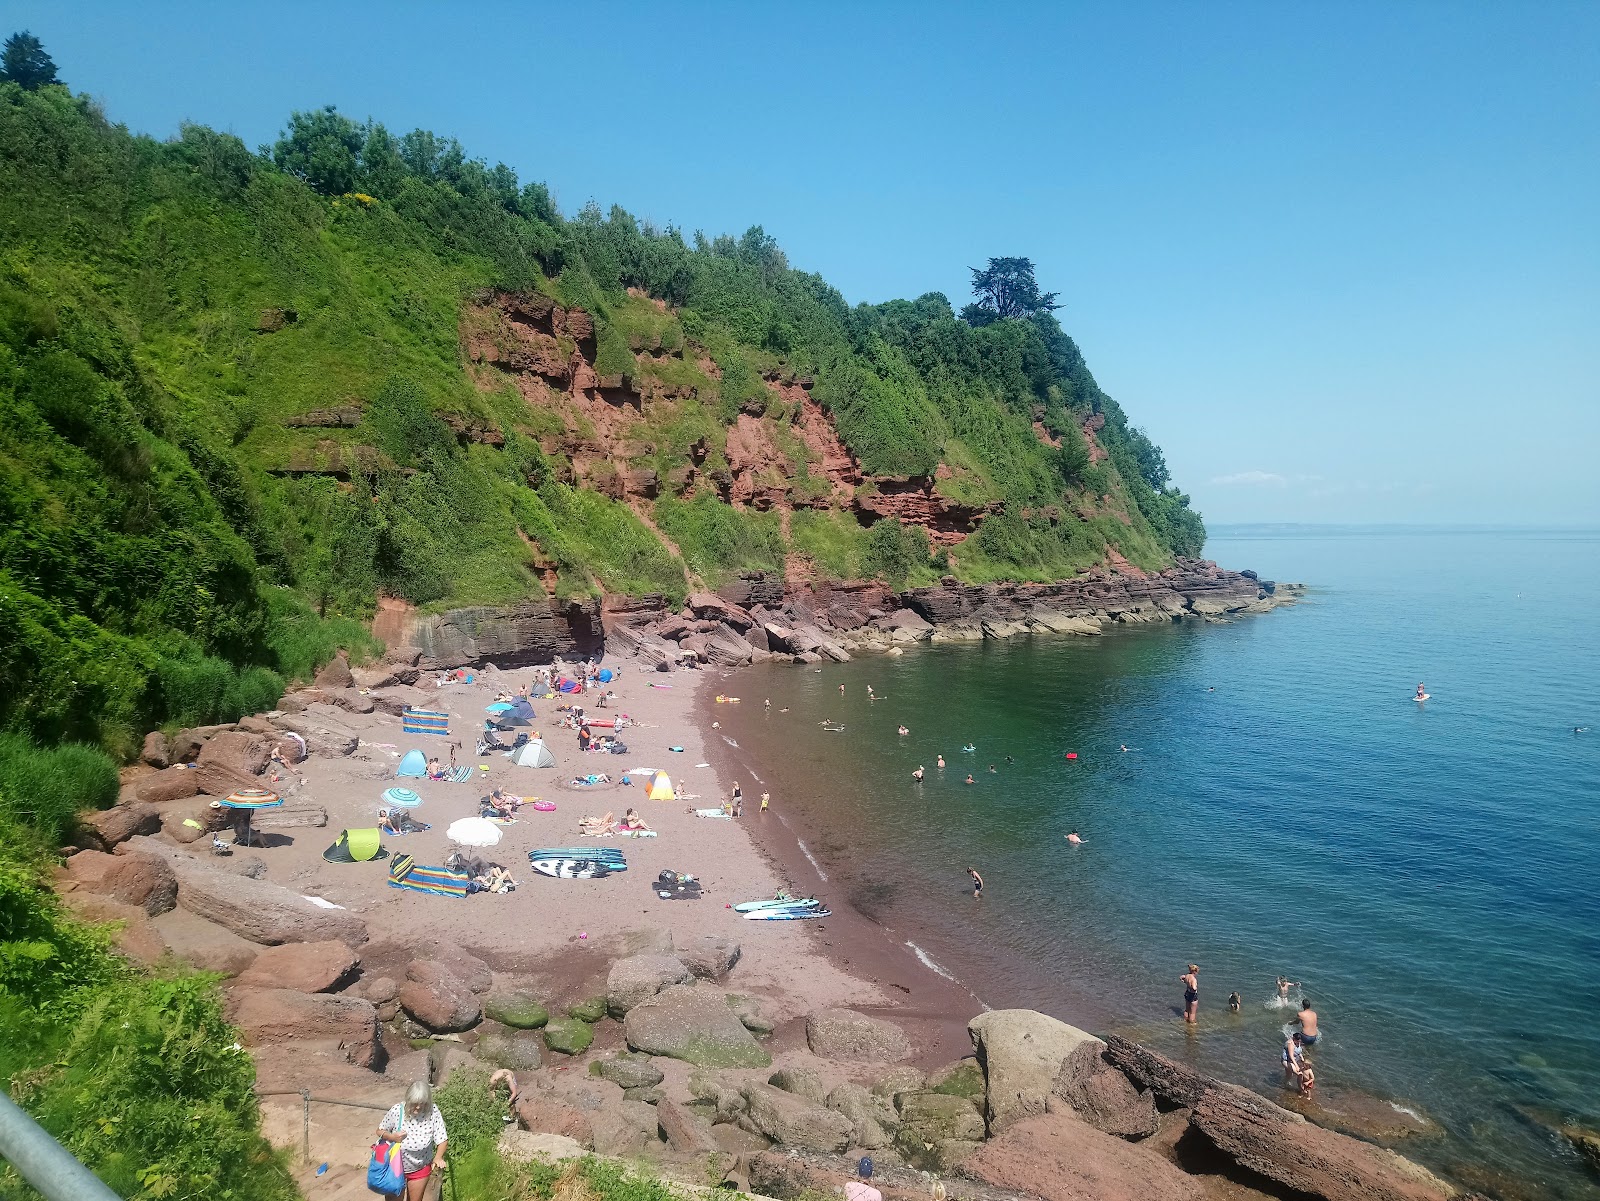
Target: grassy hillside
{"points": [[176, 540]]}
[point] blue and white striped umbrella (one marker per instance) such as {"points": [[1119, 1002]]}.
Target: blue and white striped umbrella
{"points": [[402, 797]]}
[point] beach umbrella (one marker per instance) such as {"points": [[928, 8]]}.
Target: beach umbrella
{"points": [[402, 797], [499, 707], [247, 801], [474, 832]]}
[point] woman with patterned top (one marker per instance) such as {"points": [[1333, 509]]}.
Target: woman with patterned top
{"points": [[418, 1126]]}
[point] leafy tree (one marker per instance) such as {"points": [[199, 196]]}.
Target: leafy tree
{"points": [[23, 61], [894, 551], [382, 170], [1006, 288], [321, 148]]}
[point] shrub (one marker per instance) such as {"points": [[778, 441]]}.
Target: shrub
{"points": [[718, 540], [895, 551], [46, 788]]}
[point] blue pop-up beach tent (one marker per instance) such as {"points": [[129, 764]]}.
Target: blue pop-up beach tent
{"points": [[414, 764]]}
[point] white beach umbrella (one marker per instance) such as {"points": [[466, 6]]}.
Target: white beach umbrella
{"points": [[474, 832]]}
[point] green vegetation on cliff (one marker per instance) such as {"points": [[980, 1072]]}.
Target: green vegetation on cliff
{"points": [[185, 526]]}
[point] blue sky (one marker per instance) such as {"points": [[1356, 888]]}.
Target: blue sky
{"points": [[1342, 261]]}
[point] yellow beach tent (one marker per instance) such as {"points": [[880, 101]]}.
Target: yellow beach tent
{"points": [[661, 788]]}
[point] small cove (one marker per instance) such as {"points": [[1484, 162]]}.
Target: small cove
{"points": [[1427, 871]]}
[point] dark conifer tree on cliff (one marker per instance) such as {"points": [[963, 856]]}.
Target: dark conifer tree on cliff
{"points": [[23, 61], [1006, 288]]}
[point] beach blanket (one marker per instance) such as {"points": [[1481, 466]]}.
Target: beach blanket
{"points": [[437, 880], [425, 721], [712, 813], [459, 775]]}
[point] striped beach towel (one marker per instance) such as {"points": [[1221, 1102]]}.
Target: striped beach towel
{"points": [[436, 880], [425, 721], [459, 775]]}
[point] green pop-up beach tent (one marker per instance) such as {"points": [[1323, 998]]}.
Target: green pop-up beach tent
{"points": [[355, 846]]}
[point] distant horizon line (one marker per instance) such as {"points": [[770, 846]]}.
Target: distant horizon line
{"points": [[1401, 526]]}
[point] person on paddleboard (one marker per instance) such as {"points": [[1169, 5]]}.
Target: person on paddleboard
{"points": [[1422, 692]]}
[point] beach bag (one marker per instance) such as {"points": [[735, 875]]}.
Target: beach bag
{"points": [[384, 1174]]}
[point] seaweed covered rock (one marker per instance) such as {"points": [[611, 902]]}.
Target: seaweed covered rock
{"points": [[515, 1009], [568, 1036]]}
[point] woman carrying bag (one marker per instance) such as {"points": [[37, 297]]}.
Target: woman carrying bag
{"points": [[418, 1127]]}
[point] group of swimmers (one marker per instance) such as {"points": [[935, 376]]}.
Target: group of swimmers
{"points": [[1296, 1067]]}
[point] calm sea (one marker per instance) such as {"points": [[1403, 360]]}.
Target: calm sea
{"points": [[1429, 873]]}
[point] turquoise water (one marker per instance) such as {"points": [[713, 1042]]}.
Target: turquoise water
{"points": [[1429, 872]]}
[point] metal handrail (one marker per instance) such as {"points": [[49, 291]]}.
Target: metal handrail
{"points": [[43, 1162]]}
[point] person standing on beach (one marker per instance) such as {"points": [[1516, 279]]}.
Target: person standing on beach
{"points": [[977, 883], [736, 802], [1191, 993], [859, 1189], [766, 798], [1307, 1017]]}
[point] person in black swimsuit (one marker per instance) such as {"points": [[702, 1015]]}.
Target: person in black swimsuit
{"points": [[1191, 992]]}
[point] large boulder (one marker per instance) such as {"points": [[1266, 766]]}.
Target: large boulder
{"points": [[712, 607], [189, 821], [1102, 1096], [873, 1119], [154, 751], [140, 879], [280, 1015], [265, 913], [302, 966], [1306, 1160], [546, 1114], [640, 977], [466, 967], [684, 1132], [1021, 1053], [518, 1010], [709, 956], [436, 997], [205, 945], [694, 1025], [793, 1121], [229, 761], [936, 1117], [855, 1038], [568, 1036], [1058, 1157], [632, 1070], [173, 784], [107, 828], [801, 1082], [335, 673], [519, 1050]]}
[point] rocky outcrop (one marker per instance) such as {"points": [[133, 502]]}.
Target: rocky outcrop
{"points": [[843, 1034], [534, 631], [630, 1071], [172, 784], [684, 1132], [253, 909], [1305, 1159], [1103, 1096], [1175, 1084], [1021, 1053], [106, 828]]}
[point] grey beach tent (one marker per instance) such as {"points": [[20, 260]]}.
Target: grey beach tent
{"points": [[533, 754]]}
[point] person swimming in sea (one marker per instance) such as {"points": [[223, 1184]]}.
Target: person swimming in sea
{"points": [[1124, 747], [993, 768], [1074, 839], [939, 762], [1235, 1002], [903, 731], [1284, 985], [977, 882], [917, 775], [1191, 993], [970, 780]]}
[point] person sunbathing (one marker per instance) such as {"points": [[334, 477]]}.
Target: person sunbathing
{"points": [[632, 821], [496, 879], [498, 804], [596, 825]]}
